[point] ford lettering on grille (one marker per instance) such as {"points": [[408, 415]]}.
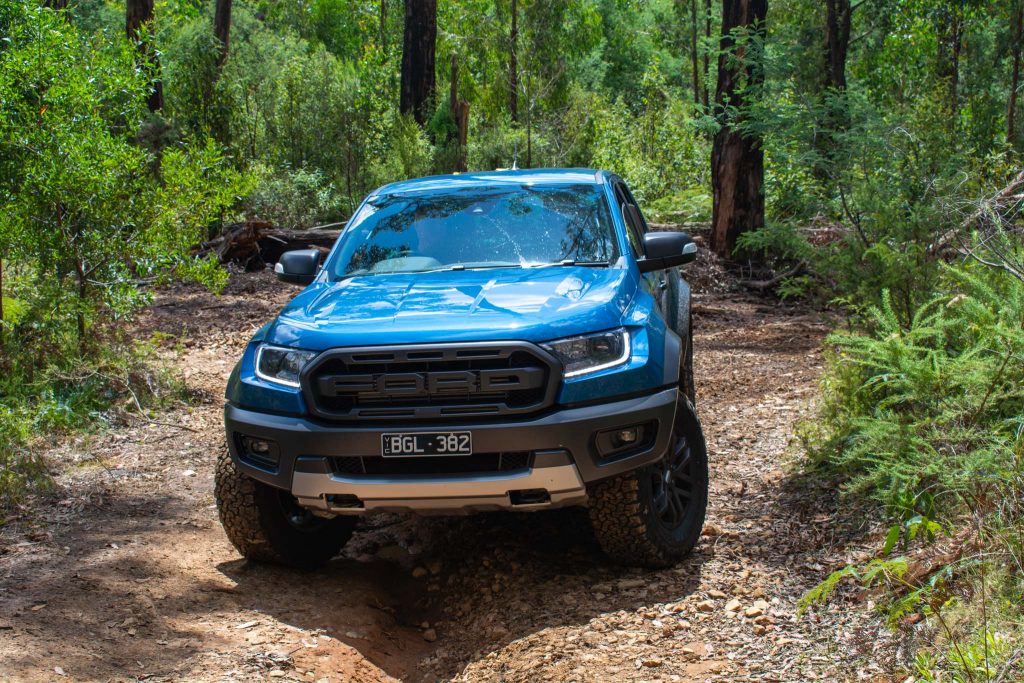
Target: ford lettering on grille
{"points": [[423, 384]]}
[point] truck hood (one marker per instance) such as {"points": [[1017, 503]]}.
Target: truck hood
{"points": [[483, 305]]}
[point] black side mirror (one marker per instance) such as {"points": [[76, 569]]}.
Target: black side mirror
{"points": [[298, 267], [666, 250]]}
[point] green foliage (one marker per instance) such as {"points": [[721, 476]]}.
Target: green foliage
{"points": [[294, 198], [874, 573], [925, 418], [70, 394], [933, 407], [87, 216], [659, 150]]}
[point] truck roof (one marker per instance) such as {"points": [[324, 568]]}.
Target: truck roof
{"points": [[538, 176]]}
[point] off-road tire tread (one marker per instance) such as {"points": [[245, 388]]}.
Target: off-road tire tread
{"points": [[620, 519], [259, 533], [239, 515]]}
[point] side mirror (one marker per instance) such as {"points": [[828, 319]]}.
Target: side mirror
{"points": [[298, 267], [667, 250]]}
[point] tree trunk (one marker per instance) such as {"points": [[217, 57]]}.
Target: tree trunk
{"points": [[137, 13], [418, 58], [837, 42], [707, 59], [222, 28], [1011, 107], [737, 161], [1, 306], [950, 40], [834, 118], [513, 65], [459, 110], [693, 52]]}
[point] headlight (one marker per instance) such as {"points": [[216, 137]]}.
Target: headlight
{"points": [[281, 366], [591, 352]]}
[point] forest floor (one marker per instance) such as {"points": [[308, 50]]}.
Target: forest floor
{"points": [[125, 574]]}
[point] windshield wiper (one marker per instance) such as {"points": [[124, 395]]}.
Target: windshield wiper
{"points": [[469, 266], [570, 262]]}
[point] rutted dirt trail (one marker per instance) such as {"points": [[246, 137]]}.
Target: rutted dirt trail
{"points": [[125, 573]]}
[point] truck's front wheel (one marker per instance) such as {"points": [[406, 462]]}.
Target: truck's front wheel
{"points": [[653, 516], [266, 524]]}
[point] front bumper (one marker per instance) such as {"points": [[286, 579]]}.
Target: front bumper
{"points": [[563, 444]]}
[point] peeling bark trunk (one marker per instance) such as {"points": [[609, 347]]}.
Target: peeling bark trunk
{"points": [[137, 13], [418, 48], [737, 161]]}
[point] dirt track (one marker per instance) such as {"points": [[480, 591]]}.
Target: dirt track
{"points": [[125, 574]]}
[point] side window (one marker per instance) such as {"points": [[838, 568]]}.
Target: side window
{"points": [[634, 202], [633, 231]]}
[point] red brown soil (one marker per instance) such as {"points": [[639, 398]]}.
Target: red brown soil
{"points": [[124, 574]]}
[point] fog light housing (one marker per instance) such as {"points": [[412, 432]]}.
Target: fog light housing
{"points": [[627, 436], [621, 441], [261, 453]]}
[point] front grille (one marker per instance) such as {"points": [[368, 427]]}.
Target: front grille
{"points": [[479, 463], [431, 382]]}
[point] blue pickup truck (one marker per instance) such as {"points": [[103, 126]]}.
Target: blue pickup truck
{"points": [[511, 340]]}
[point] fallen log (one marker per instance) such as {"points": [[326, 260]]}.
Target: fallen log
{"points": [[275, 242], [255, 243]]}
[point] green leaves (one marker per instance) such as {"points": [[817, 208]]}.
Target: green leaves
{"points": [[86, 212], [923, 416]]}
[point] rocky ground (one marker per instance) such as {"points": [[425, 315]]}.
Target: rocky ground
{"points": [[124, 574]]}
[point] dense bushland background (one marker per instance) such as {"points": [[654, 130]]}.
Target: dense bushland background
{"points": [[892, 190]]}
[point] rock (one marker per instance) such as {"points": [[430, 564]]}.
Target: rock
{"points": [[732, 606], [761, 605], [419, 572], [711, 529], [430, 635], [752, 612], [706, 606], [716, 593], [434, 567], [651, 662]]}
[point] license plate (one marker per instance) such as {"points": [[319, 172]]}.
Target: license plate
{"points": [[426, 443]]}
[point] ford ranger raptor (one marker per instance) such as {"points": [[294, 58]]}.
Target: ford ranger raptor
{"points": [[510, 340]]}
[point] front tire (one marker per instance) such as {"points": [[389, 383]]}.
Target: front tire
{"points": [[266, 524], [653, 516]]}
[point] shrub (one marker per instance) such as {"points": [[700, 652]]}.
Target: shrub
{"points": [[294, 198], [934, 407], [87, 218]]}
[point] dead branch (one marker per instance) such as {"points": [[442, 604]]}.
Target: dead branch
{"points": [[762, 285]]}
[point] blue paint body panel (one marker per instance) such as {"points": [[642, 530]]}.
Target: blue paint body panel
{"points": [[534, 305]]}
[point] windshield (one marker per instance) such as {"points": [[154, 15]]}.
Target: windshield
{"points": [[510, 226]]}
